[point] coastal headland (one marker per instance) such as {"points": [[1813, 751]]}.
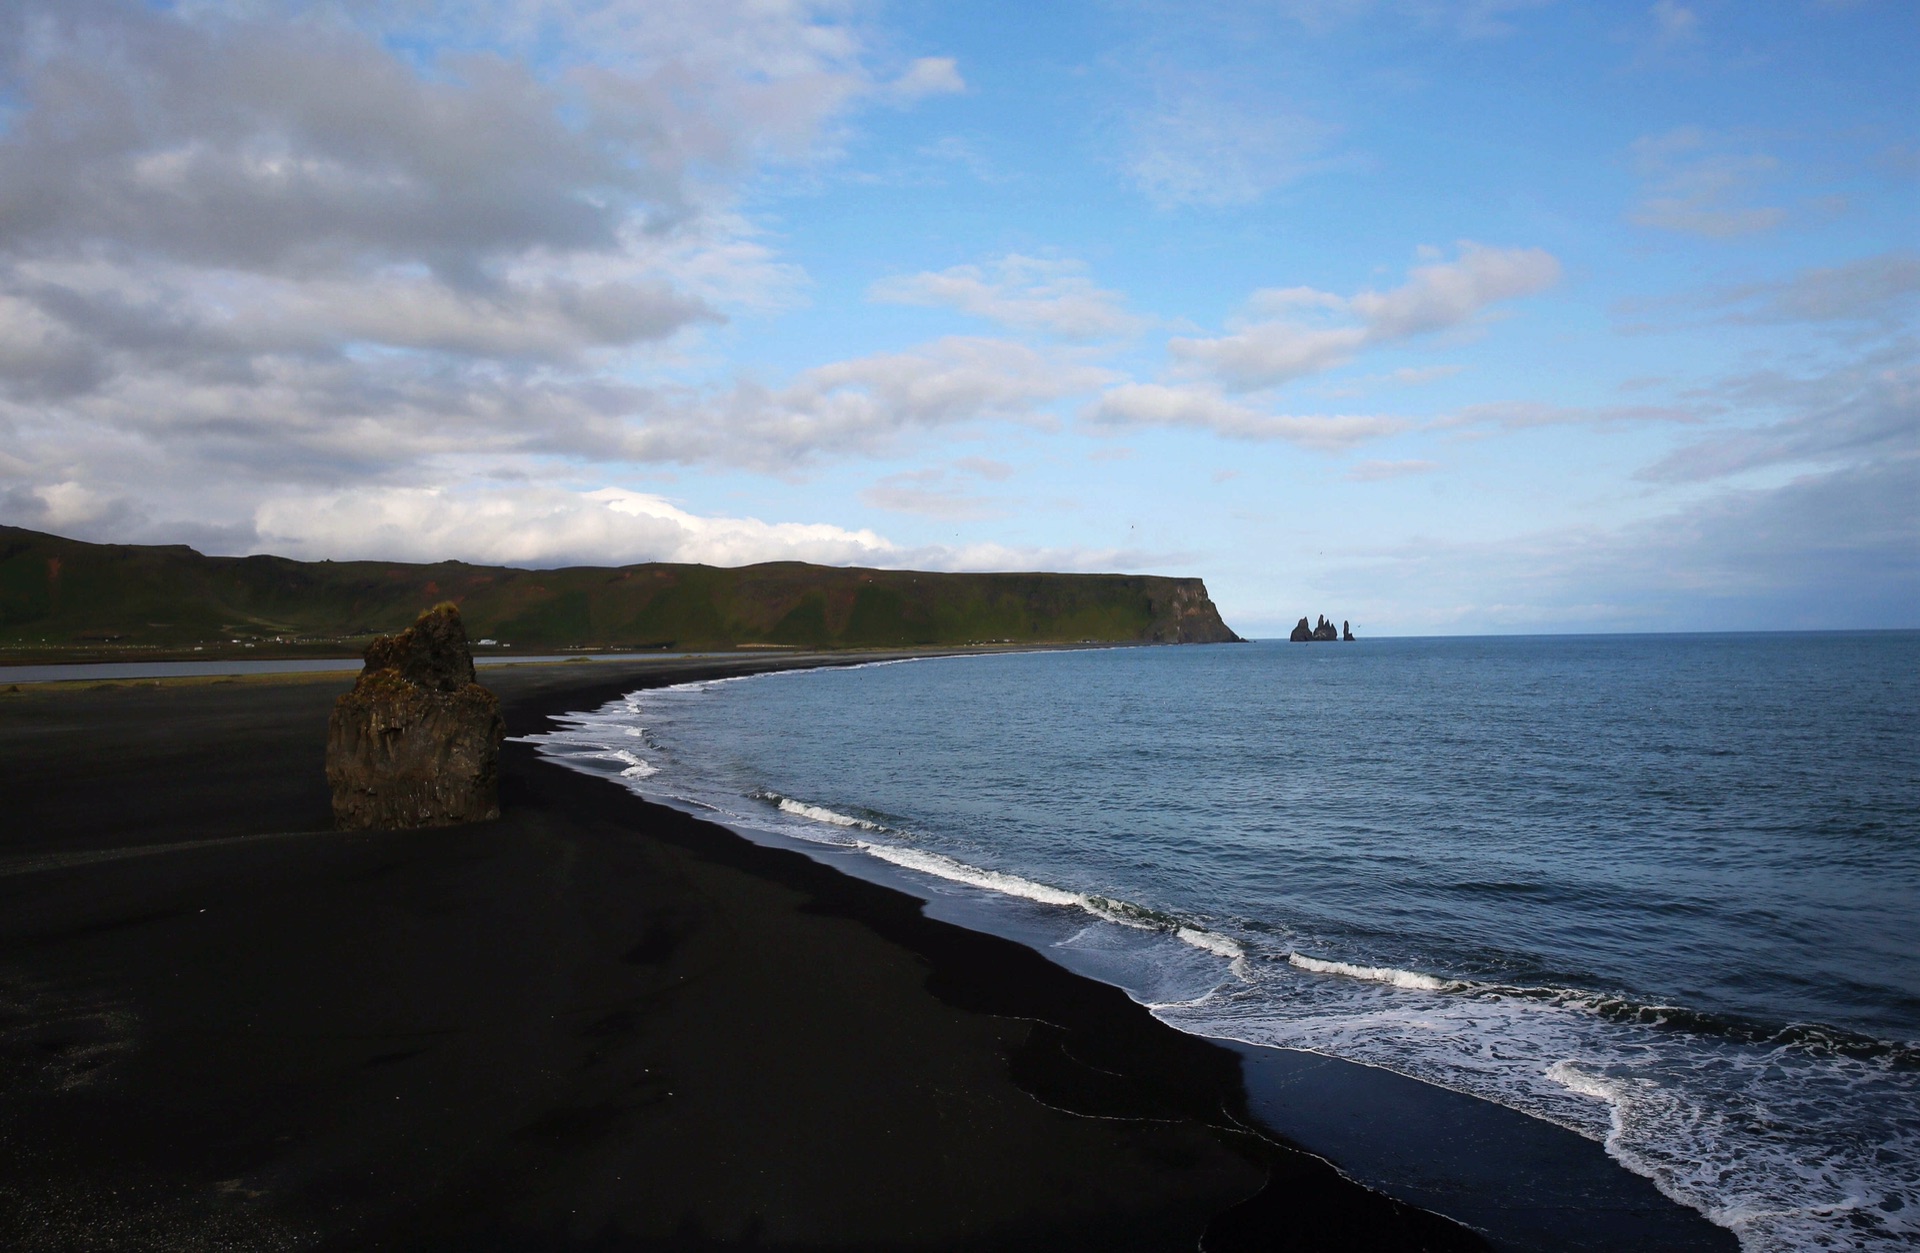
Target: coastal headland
{"points": [[67, 600], [595, 1023]]}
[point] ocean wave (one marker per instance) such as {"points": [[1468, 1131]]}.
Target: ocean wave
{"points": [[1718, 1124], [960, 872], [1107, 909], [817, 813], [1376, 974], [1813, 1039], [1718, 1111], [1843, 1200], [636, 766], [1211, 942]]}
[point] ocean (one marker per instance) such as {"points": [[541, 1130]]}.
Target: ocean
{"points": [[1661, 890]]}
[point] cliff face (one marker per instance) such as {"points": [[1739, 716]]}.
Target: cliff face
{"points": [[1185, 614], [62, 594]]}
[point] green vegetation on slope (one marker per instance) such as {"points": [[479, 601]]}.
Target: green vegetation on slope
{"points": [[64, 595]]}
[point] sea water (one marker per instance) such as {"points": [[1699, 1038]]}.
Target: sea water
{"points": [[1663, 891]]}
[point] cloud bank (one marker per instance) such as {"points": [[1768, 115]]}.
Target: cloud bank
{"points": [[1025, 293], [282, 243], [1305, 331]]}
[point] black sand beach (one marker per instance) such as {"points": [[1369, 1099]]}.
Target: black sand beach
{"points": [[602, 1024]]}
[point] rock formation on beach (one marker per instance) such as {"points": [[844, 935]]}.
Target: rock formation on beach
{"points": [[416, 743], [1321, 630]]}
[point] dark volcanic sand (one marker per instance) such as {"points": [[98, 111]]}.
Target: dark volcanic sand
{"points": [[595, 1024]]}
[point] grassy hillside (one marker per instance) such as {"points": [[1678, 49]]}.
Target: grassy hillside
{"points": [[64, 596]]}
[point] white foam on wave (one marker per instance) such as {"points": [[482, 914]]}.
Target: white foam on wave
{"points": [[960, 872], [592, 731], [637, 767], [1788, 1148], [1101, 907], [864, 665], [820, 813], [1411, 979], [1211, 942], [693, 685]]}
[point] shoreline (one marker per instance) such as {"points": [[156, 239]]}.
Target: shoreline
{"points": [[1522, 1181], [651, 907]]}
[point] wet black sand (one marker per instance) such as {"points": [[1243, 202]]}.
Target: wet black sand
{"points": [[601, 1024]]}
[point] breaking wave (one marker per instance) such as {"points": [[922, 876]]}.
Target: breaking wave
{"points": [[1374, 974], [818, 813], [1791, 1134]]}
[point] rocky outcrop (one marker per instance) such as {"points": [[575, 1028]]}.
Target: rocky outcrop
{"points": [[1346, 631], [416, 743], [1321, 630], [1184, 614]]}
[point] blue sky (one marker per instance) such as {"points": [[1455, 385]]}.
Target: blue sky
{"points": [[1436, 315]]}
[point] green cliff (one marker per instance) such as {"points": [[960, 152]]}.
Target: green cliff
{"points": [[66, 597]]}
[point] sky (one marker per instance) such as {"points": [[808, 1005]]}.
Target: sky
{"points": [[1438, 316]]}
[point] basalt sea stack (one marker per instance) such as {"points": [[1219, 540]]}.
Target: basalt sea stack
{"points": [[1322, 630], [416, 743]]}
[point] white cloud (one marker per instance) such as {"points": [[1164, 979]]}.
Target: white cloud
{"points": [[541, 527], [941, 492], [1436, 297], [324, 423], [1692, 185], [272, 244], [1416, 376], [1027, 293], [865, 403], [1202, 408], [1828, 550], [1864, 412], [70, 504], [1674, 24], [1380, 471], [1518, 415], [1876, 288], [1465, 19], [1266, 354], [1199, 146], [985, 467], [1449, 294], [927, 76], [932, 493]]}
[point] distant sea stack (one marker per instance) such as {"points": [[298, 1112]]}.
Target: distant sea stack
{"points": [[1321, 630], [416, 743]]}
